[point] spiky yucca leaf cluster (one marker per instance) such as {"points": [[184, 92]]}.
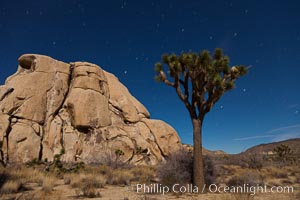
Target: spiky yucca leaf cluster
{"points": [[209, 76]]}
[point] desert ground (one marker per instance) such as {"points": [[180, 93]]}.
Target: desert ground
{"points": [[38, 181]]}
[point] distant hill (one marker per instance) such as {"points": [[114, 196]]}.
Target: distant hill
{"points": [[294, 144], [205, 151]]}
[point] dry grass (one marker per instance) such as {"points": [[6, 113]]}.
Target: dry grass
{"points": [[143, 174], [87, 183], [112, 176], [48, 184], [120, 177], [13, 179], [93, 180], [23, 173], [82, 180], [103, 169], [11, 186], [75, 180], [270, 176], [279, 173]]}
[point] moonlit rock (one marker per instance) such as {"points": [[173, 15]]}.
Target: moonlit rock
{"points": [[49, 105]]}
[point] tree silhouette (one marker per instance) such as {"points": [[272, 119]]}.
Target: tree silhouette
{"points": [[199, 80]]}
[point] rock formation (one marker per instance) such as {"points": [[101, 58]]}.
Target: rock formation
{"points": [[48, 105]]}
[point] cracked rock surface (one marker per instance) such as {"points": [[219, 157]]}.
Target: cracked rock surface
{"points": [[49, 105]]}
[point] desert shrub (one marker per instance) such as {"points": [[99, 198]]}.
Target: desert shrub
{"points": [[112, 159], [104, 169], [93, 180], [33, 162], [245, 161], [209, 170], [75, 180], [90, 192], [254, 162], [250, 178], [234, 160], [87, 184], [224, 170], [120, 177], [58, 167], [177, 168]]}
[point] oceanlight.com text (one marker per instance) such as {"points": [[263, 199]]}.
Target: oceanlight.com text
{"points": [[250, 189]]}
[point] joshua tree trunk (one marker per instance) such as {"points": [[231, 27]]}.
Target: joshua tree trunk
{"points": [[198, 176]]}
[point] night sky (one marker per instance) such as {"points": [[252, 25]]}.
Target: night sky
{"points": [[128, 37]]}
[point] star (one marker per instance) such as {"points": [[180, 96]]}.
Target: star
{"points": [[221, 107], [244, 90], [246, 11], [210, 37], [27, 12], [123, 4], [182, 30], [296, 112], [54, 43], [125, 72], [235, 34]]}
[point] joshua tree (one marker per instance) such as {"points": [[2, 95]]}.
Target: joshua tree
{"points": [[199, 81], [283, 152]]}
